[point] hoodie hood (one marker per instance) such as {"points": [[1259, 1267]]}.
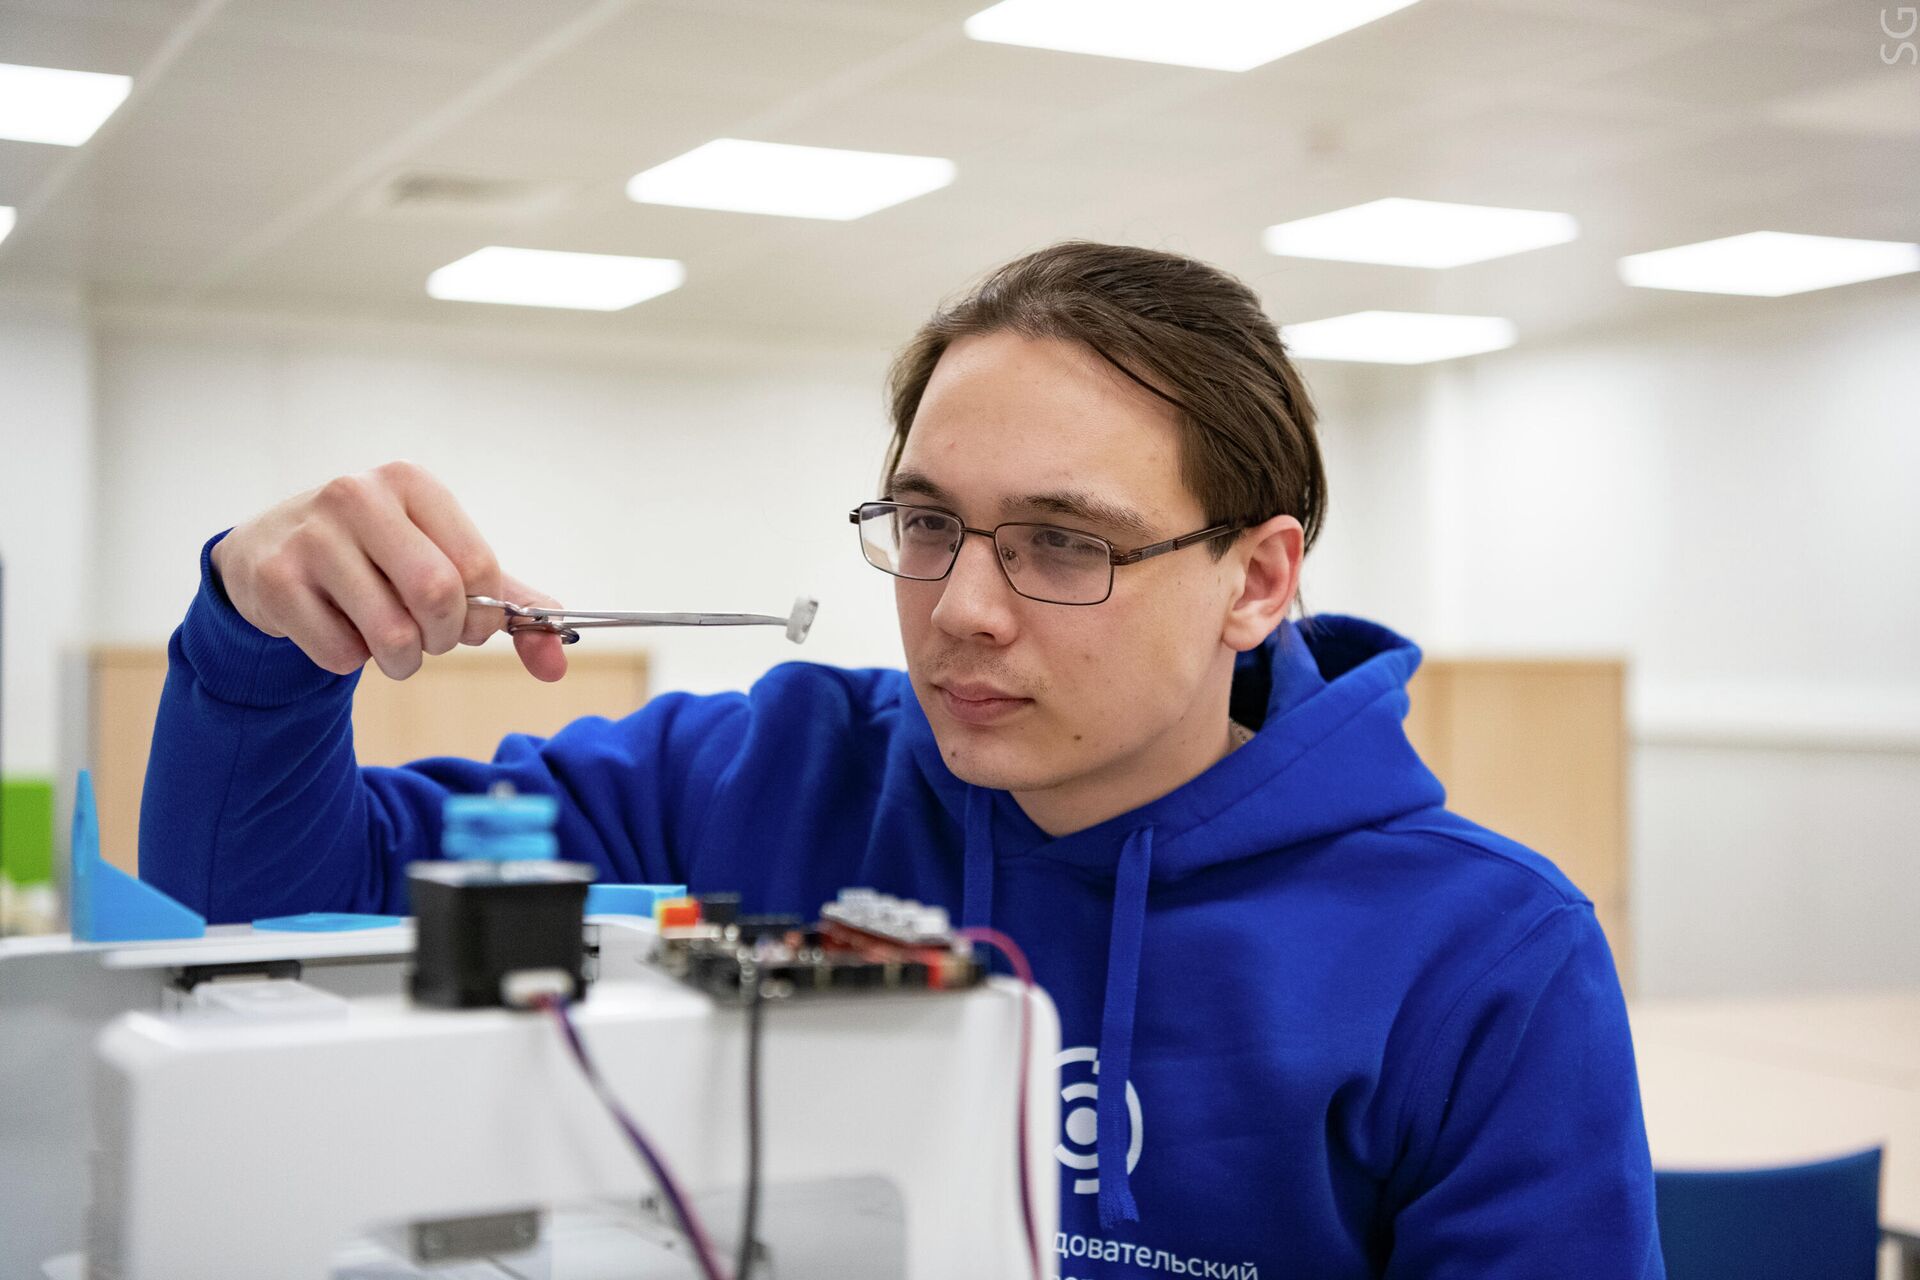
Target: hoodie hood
{"points": [[1329, 755]]}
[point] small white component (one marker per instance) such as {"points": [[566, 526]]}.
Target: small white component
{"points": [[800, 621], [279, 999], [524, 986], [899, 919]]}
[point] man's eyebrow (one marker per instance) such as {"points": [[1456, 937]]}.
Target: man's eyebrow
{"points": [[1086, 507], [905, 481], [1075, 504]]}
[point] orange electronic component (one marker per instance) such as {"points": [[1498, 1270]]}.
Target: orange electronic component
{"points": [[676, 913]]}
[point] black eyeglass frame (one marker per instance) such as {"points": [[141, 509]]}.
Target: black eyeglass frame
{"points": [[1115, 558]]}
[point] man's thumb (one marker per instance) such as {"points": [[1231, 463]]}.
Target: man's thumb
{"points": [[540, 653]]}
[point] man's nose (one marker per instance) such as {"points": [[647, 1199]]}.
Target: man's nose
{"points": [[977, 599]]}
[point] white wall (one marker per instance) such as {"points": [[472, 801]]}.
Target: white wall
{"points": [[1731, 505], [46, 512], [613, 476], [1734, 505]]}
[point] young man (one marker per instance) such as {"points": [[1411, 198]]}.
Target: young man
{"points": [[1330, 1029]]}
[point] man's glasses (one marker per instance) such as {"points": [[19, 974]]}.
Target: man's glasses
{"points": [[1041, 561]]}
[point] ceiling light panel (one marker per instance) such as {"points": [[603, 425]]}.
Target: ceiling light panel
{"points": [[1419, 233], [789, 181], [46, 104], [1769, 264], [1396, 337], [7, 216], [548, 278], [1223, 35]]}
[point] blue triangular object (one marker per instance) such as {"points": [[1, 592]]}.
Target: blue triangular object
{"points": [[108, 904]]}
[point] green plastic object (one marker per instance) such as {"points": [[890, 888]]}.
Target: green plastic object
{"points": [[26, 829], [108, 904]]}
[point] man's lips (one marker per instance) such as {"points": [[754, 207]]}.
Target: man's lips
{"points": [[974, 691], [974, 703]]}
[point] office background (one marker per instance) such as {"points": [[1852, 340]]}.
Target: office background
{"points": [[218, 301]]}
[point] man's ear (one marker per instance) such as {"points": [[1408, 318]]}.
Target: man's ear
{"points": [[1270, 556]]}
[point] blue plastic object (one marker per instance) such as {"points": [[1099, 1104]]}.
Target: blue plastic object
{"points": [[326, 922], [108, 905], [1772, 1224], [629, 899], [499, 828]]}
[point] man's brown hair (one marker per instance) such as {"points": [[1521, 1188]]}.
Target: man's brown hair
{"points": [[1187, 332]]}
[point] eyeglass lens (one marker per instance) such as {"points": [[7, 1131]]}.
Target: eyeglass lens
{"points": [[1041, 561]]}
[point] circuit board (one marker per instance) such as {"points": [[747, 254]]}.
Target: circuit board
{"points": [[864, 942]]}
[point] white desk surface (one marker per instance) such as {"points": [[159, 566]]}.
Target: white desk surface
{"points": [[1748, 1083]]}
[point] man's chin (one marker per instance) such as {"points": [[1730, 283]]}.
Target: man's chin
{"points": [[999, 766]]}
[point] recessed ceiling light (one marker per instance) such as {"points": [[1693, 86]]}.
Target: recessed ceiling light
{"points": [[7, 216], [548, 278], [1769, 264], [1224, 35], [1419, 233], [1396, 337], [45, 104], [793, 182]]}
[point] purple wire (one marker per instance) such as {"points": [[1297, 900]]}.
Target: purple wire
{"points": [[689, 1224]]}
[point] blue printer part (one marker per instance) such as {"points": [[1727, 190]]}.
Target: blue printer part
{"points": [[499, 828], [107, 904], [326, 922], [630, 899]]}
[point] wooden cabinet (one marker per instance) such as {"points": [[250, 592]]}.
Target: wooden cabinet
{"points": [[1537, 750]]}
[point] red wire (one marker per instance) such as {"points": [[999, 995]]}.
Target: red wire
{"points": [[1018, 959]]}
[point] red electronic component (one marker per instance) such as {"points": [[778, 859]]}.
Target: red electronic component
{"points": [[677, 913], [944, 967]]}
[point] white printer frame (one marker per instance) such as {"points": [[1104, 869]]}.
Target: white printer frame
{"points": [[229, 1146]]}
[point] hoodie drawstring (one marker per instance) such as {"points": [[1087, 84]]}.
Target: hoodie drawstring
{"points": [[1115, 1126], [1114, 1123], [976, 887]]}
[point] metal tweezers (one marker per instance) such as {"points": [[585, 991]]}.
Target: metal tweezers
{"points": [[568, 623]]}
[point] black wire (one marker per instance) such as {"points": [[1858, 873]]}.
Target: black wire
{"points": [[751, 1213], [750, 989]]}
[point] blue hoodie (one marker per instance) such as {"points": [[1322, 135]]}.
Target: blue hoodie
{"points": [[1315, 1025]]}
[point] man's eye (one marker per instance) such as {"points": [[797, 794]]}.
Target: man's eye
{"points": [[931, 526], [1064, 541]]}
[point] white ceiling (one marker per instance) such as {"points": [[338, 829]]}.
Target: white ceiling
{"points": [[245, 169]]}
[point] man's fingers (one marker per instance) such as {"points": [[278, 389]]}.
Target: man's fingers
{"points": [[483, 622], [431, 507], [424, 577], [363, 594], [323, 633]]}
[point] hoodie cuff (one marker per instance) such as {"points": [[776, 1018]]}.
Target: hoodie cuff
{"points": [[236, 662]]}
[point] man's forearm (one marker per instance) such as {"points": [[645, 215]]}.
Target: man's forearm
{"points": [[252, 797]]}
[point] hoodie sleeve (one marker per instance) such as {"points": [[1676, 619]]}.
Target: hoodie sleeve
{"points": [[1527, 1151], [254, 804]]}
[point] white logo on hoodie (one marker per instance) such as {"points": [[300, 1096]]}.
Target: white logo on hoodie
{"points": [[1079, 1118]]}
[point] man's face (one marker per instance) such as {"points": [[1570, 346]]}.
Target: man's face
{"points": [[1108, 705]]}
